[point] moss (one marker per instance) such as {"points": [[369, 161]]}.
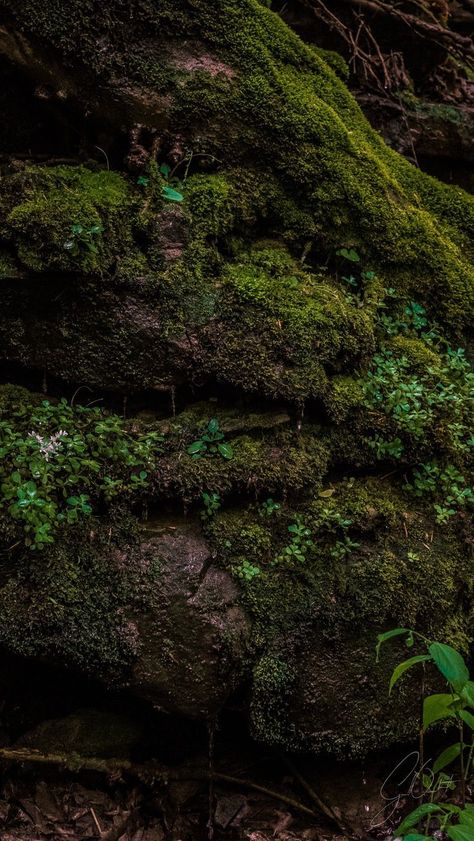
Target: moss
{"points": [[8, 266], [71, 603], [275, 462], [416, 351], [335, 61], [67, 218], [337, 606], [344, 395], [355, 189]]}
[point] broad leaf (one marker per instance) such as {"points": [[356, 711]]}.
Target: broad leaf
{"points": [[450, 664], [467, 692], [466, 818], [447, 756], [403, 667], [172, 195], [414, 817], [195, 447], [436, 707], [461, 833], [349, 254], [468, 718], [388, 635], [226, 451]]}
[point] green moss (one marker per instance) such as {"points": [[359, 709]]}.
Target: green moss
{"points": [[394, 577], [67, 218], [354, 189], [276, 461], [335, 61], [74, 604]]}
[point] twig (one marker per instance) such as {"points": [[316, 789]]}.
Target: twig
{"points": [[96, 821], [148, 774], [275, 794], [321, 805]]}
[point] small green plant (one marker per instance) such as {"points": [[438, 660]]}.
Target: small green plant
{"points": [[445, 483], [269, 507], [456, 707], [247, 571], [82, 239], [349, 254], [55, 459], [386, 449], [300, 544], [167, 190], [211, 443], [212, 503], [343, 548]]}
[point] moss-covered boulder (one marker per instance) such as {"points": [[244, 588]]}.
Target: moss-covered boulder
{"points": [[292, 301]]}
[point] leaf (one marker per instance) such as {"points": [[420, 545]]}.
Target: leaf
{"points": [[349, 254], [172, 195], [165, 170], [195, 447], [468, 718], [436, 707], [461, 833], [467, 817], [414, 817], [327, 493], [213, 426], [467, 692], [446, 757], [226, 451], [396, 632], [450, 664], [403, 667]]}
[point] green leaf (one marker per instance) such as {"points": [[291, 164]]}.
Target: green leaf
{"points": [[226, 451], [446, 757], [468, 718], [467, 692], [414, 817], [461, 833], [450, 664], [414, 836], [195, 447], [172, 195], [403, 667], [165, 170], [467, 816], [349, 254], [396, 632], [436, 707]]}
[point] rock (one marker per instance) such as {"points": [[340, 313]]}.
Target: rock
{"points": [[86, 732], [193, 639]]}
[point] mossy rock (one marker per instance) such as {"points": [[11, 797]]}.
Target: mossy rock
{"points": [[86, 732]]}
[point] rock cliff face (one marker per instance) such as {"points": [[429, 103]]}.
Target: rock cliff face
{"points": [[200, 229]]}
